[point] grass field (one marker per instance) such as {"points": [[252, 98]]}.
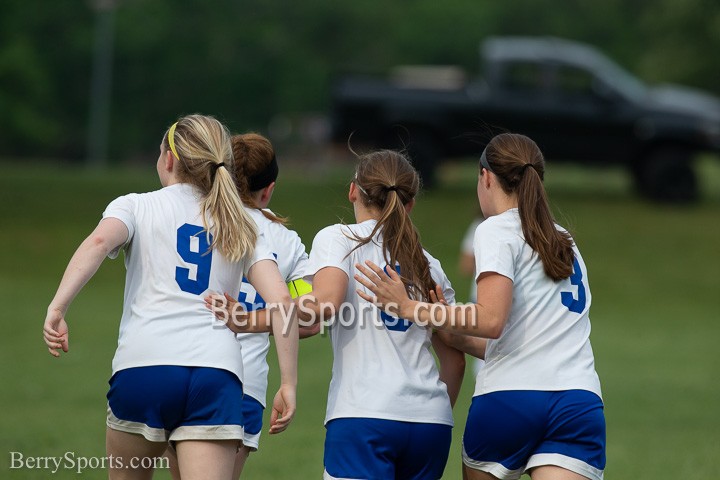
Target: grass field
{"points": [[654, 271]]}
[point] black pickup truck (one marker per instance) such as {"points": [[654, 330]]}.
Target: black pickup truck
{"points": [[578, 105]]}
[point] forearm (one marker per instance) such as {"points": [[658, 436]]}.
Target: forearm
{"points": [[473, 319], [82, 266], [285, 330], [474, 346], [256, 321], [452, 366]]}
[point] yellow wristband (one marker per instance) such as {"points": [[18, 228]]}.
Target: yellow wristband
{"points": [[299, 287]]}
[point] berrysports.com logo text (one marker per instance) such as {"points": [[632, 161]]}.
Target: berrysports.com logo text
{"points": [[70, 461], [346, 315]]}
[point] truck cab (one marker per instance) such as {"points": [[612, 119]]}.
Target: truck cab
{"points": [[577, 104]]}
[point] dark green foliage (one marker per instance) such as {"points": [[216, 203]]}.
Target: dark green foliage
{"points": [[247, 61]]}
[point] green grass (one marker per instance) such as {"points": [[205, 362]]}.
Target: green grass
{"points": [[654, 271]]}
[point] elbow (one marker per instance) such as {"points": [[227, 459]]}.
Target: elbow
{"points": [[281, 299], [286, 301], [495, 328], [100, 243], [493, 334]]}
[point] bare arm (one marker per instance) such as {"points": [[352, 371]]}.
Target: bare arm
{"points": [[107, 236], [486, 318], [265, 277], [227, 309], [474, 346], [452, 366], [329, 288]]}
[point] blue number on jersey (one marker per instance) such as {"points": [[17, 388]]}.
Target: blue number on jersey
{"points": [[394, 323], [202, 258], [249, 298], [573, 304]]}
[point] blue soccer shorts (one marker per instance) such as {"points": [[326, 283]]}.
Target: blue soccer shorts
{"points": [[174, 403], [370, 448], [510, 432], [253, 416]]}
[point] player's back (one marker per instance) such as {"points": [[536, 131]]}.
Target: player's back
{"points": [[545, 344], [383, 366], [170, 267]]}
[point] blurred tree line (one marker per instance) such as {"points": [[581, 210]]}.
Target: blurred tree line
{"points": [[247, 60]]}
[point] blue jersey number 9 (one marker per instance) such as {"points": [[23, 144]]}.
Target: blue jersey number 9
{"points": [[200, 256], [573, 304]]}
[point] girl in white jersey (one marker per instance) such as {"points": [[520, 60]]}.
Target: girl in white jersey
{"points": [[388, 414], [177, 374], [255, 172], [537, 406]]}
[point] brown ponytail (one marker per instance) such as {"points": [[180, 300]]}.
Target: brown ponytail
{"points": [[387, 181], [520, 168], [253, 154]]}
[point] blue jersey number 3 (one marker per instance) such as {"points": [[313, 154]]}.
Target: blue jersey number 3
{"points": [[391, 322], [573, 304], [193, 247]]}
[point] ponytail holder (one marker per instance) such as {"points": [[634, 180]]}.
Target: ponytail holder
{"points": [[525, 167], [171, 140], [217, 165], [392, 188]]}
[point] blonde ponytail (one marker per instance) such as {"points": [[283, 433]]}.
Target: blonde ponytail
{"points": [[234, 232], [202, 147]]}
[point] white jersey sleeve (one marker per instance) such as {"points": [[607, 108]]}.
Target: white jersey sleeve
{"points": [[330, 248], [441, 279], [494, 251], [123, 209]]}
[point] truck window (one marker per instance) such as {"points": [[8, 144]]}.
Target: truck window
{"points": [[573, 82], [525, 77]]}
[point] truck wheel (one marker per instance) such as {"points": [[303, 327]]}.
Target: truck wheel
{"points": [[667, 175]]}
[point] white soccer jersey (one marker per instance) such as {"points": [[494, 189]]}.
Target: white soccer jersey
{"points": [[545, 344], [383, 367], [169, 271], [289, 252]]}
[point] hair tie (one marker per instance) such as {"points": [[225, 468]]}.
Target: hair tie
{"points": [[392, 188], [171, 140], [524, 167], [217, 165]]}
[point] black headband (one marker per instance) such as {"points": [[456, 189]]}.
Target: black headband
{"points": [[264, 177], [484, 161]]}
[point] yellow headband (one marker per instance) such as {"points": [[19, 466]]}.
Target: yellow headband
{"points": [[171, 141]]}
